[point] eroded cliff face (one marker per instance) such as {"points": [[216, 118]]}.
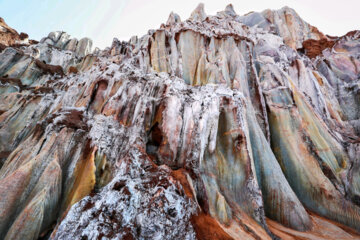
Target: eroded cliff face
{"points": [[10, 37], [217, 127]]}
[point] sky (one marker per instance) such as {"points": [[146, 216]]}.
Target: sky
{"points": [[102, 20]]}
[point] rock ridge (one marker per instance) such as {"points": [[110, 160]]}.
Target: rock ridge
{"points": [[215, 127]]}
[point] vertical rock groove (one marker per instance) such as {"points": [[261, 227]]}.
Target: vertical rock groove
{"points": [[216, 127]]}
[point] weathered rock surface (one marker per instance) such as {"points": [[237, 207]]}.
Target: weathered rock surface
{"points": [[10, 37], [63, 41], [217, 127], [286, 23]]}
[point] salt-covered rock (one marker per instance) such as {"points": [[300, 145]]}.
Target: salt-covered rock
{"points": [[217, 127]]}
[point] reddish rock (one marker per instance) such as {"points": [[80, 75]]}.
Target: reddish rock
{"points": [[10, 37], [217, 127], [73, 69], [314, 48], [49, 69]]}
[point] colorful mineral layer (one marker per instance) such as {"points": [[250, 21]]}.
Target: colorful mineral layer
{"points": [[216, 127]]}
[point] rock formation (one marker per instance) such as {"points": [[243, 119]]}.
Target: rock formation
{"points": [[10, 37], [216, 127]]}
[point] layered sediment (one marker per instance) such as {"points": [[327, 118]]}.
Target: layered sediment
{"points": [[216, 127]]}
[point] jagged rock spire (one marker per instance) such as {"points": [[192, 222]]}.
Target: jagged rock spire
{"points": [[198, 14], [229, 10], [222, 123], [173, 18]]}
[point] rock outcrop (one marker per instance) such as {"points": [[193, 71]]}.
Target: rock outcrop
{"points": [[217, 127], [63, 41], [286, 23], [10, 37]]}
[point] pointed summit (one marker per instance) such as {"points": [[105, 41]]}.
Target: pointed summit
{"points": [[229, 10], [198, 14], [173, 18]]}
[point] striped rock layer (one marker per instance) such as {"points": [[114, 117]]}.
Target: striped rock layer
{"points": [[217, 127]]}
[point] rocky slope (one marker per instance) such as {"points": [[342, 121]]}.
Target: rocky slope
{"points": [[216, 127], [10, 37]]}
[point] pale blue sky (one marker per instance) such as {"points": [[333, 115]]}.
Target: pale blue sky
{"points": [[101, 20]]}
